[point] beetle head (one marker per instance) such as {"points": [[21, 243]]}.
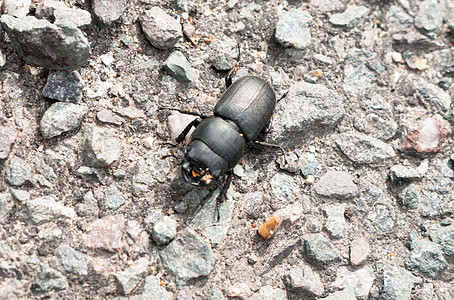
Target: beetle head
{"points": [[196, 174]]}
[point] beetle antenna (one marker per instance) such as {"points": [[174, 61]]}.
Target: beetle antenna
{"points": [[184, 111]]}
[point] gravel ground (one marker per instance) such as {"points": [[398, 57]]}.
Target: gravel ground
{"points": [[92, 202]]}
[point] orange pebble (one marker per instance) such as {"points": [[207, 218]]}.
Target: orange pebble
{"points": [[269, 228]]}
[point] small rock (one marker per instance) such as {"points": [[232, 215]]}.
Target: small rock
{"points": [[130, 278], [403, 173], [430, 205], [397, 283], [345, 294], [55, 11], [337, 184], [360, 280], [358, 75], [164, 230], [351, 17], [188, 256], [267, 292], [444, 236], [376, 126], [433, 94], [107, 116], [177, 122], [426, 258], [328, 5], [114, 198], [429, 136], [239, 290], [398, 19], [6, 204], [49, 280], [410, 196], [108, 11], [430, 15], [252, 204], [11, 288], [160, 29], [72, 261], [282, 186], [2, 55], [45, 209], [216, 293], [7, 138], [18, 173], [19, 195], [89, 205], [293, 29], [101, 146], [185, 294], [64, 86], [335, 221], [364, 149], [153, 290], [61, 117], [268, 229], [178, 66], [223, 62], [320, 250], [302, 280], [382, 217], [16, 8], [359, 251], [106, 233]]}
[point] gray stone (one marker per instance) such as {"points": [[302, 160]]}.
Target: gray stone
{"points": [[345, 294], [153, 217], [7, 138], [308, 164], [31, 38], [337, 184], [283, 186], [19, 195], [433, 94], [443, 61], [267, 292], [359, 280], [410, 196], [108, 11], [425, 258], [160, 29], [151, 168], [16, 8], [252, 204], [302, 280], [11, 288], [6, 204], [351, 17], [376, 126], [404, 173], [335, 221], [357, 74], [130, 278], [72, 261], [382, 217], [164, 230], [293, 29], [153, 290], [18, 173], [178, 66], [223, 62], [114, 198], [2, 55], [320, 250], [444, 236], [89, 205], [61, 117], [56, 11], [101, 146], [49, 280], [364, 149], [106, 234], [207, 218], [430, 205], [398, 19], [107, 116], [318, 108], [397, 283], [430, 15], [46, 209], [359, 251], [64, 86], [216, 293], [416, 40], [185, 294], [188, 256]]}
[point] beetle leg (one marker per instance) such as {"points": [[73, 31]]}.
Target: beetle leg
{"points": [[282, 97], [223, 194], [202, 116], [185, 132]]}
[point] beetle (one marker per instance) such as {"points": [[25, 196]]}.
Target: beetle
{"points": [[218, 142]]}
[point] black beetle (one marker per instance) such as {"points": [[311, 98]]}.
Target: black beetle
{"points": [[218, 142]]}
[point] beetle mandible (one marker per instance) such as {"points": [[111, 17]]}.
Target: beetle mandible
{"points": [[218, 142]]}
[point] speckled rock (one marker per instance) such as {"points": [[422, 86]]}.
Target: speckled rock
{"points": [[335, 221], [64, 86], [336, 184], [130, 278], [108, 11], [293, 29], [101, 146], [425, 258], [153, 290], [178, 66], [302, 280], [49, 280], [72, 261], [18, 173], [160, 29], [430, 15], [106, 234], [397, 283], [113, 198], [320, 250], [267, 292], [428, 136], [376, 126], [164, 230], [359, 280], [351, 17], [46, 209], [61, 117], [7, 138], [359, 251]]}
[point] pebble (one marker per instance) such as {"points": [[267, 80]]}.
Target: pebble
{"points": [[72, 261], [360, 280], [336, 184], [127, 280], [293, 29], [428, 136], [2, 55], [8, 137], [18, 173], [409, 196], [335, 221], [253, 204], [426, 258], [106, 233], [302, 280], [178, 66], [359, 251], [164, 230], [327, 5], [49, 280], [108, 11], [364, 149], [397, 283], [107, 116], [6, 203], [267, 292], [151, 168], [376, 126], [101, 146], [11, 288], [160, 29], [223, 62], [68, 53], [345, 294], [46, 209], [61, 117], [382, 217], [444, 236], [16, 8], [188, 256], [442, 60], [399, 173], [55, 11], [430, 15], [282, 186], [153, 290], [433, 94], [351, 17], [358, 75], [268, 229], [19, 195], [430, 205], [320, 250], [239, 290], [177, 122], [319, 110], [113, 198], [398, 19], [64, 86]]}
